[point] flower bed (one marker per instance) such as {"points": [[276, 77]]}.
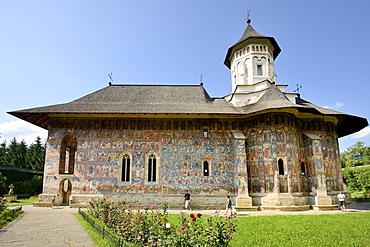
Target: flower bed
{"points": [[153, 226]]}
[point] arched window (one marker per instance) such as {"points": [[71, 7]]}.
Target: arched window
{"points": [[126, 168], [67, 154], [281, 166], [205, 168], [152, 168], [303, 169]]}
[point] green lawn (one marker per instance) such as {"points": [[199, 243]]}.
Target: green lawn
{"points": [[23, 201], [347, 229]]}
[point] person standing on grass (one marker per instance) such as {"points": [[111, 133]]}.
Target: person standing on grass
{"points": [[228, 205], [187, 200], [342, 202]]}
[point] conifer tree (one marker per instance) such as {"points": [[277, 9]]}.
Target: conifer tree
{"points": [[16, 155], [36, 155]]}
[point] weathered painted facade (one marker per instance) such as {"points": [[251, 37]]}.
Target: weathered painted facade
{"points": [[147, 144]]}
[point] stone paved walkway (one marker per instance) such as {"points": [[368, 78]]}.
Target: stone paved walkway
{"points": [[57, 226], [46, 227], [351, 208]]}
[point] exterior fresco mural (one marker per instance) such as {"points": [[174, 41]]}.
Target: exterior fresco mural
{"points": [[266, 144], [181, 155], [274, 156]]}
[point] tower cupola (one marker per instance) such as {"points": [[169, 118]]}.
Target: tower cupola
{"points": [[251, 58], [251, 62]]}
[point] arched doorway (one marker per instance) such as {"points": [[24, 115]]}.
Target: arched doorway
{"points": [[65, 191]]}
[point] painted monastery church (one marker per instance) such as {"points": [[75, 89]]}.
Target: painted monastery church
{"points": [[147, 144]]}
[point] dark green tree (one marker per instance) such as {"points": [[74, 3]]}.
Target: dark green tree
{"points": [[3, 150], [16, 155], [357, 178], [36, 155], [356, 155]]}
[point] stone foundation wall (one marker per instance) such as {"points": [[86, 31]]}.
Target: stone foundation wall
{"points": [[174, 202]]}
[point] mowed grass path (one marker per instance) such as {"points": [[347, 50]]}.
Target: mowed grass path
{"points": [[346, 229]]}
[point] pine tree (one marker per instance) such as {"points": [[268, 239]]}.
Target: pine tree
{"points": [[16, 155], [3, 151], [35, 156]]}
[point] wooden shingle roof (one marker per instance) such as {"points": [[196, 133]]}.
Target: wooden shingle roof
{"points": [[179, 99]]}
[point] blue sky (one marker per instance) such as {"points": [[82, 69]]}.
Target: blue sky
{"points": [[54, 52]]}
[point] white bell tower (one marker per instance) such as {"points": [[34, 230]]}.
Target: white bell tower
{"points": [[251, 62]]}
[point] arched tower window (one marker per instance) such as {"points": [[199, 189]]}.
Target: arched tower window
{"points": [[67, 154], [126, 168], [281, 166], [205, 168], [152, 168], [259, 69]]}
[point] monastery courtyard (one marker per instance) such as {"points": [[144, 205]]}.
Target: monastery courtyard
{"points": [[37, 226]]}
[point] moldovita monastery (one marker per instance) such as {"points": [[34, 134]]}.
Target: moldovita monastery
{"points": [[147, 144]]}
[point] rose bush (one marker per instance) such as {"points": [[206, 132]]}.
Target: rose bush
{"points": [[151, 227], [2, 204]]}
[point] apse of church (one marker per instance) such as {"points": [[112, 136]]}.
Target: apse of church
{"points": [[280, 156]]}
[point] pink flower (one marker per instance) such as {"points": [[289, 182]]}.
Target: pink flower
{"points": [[182, 232], [154, 206], [124, 230], [155, 217], [91, 203], [182, 228]]}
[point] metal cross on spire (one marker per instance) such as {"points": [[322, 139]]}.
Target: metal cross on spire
{"points": [[297, 90], [248, 13], [110, 79]]}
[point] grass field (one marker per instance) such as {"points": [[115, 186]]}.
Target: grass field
{"points": [[23, 201], [347, 229]]}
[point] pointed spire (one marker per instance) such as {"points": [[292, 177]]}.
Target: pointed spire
{"points": [[251, 33]]}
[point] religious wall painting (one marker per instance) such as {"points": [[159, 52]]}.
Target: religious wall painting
{"points": [[51, 167], [80, 169], [240, 146], [266, 136], [319, 163], [280, 135], [241, 164], [267, 151], [316, 145]]}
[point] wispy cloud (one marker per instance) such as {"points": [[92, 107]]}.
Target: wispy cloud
{"points": [[365, 132], [21, 130], [336, 106]]}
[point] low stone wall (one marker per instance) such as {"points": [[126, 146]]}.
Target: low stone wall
{"points": [[174, 202], [45, 200]]}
